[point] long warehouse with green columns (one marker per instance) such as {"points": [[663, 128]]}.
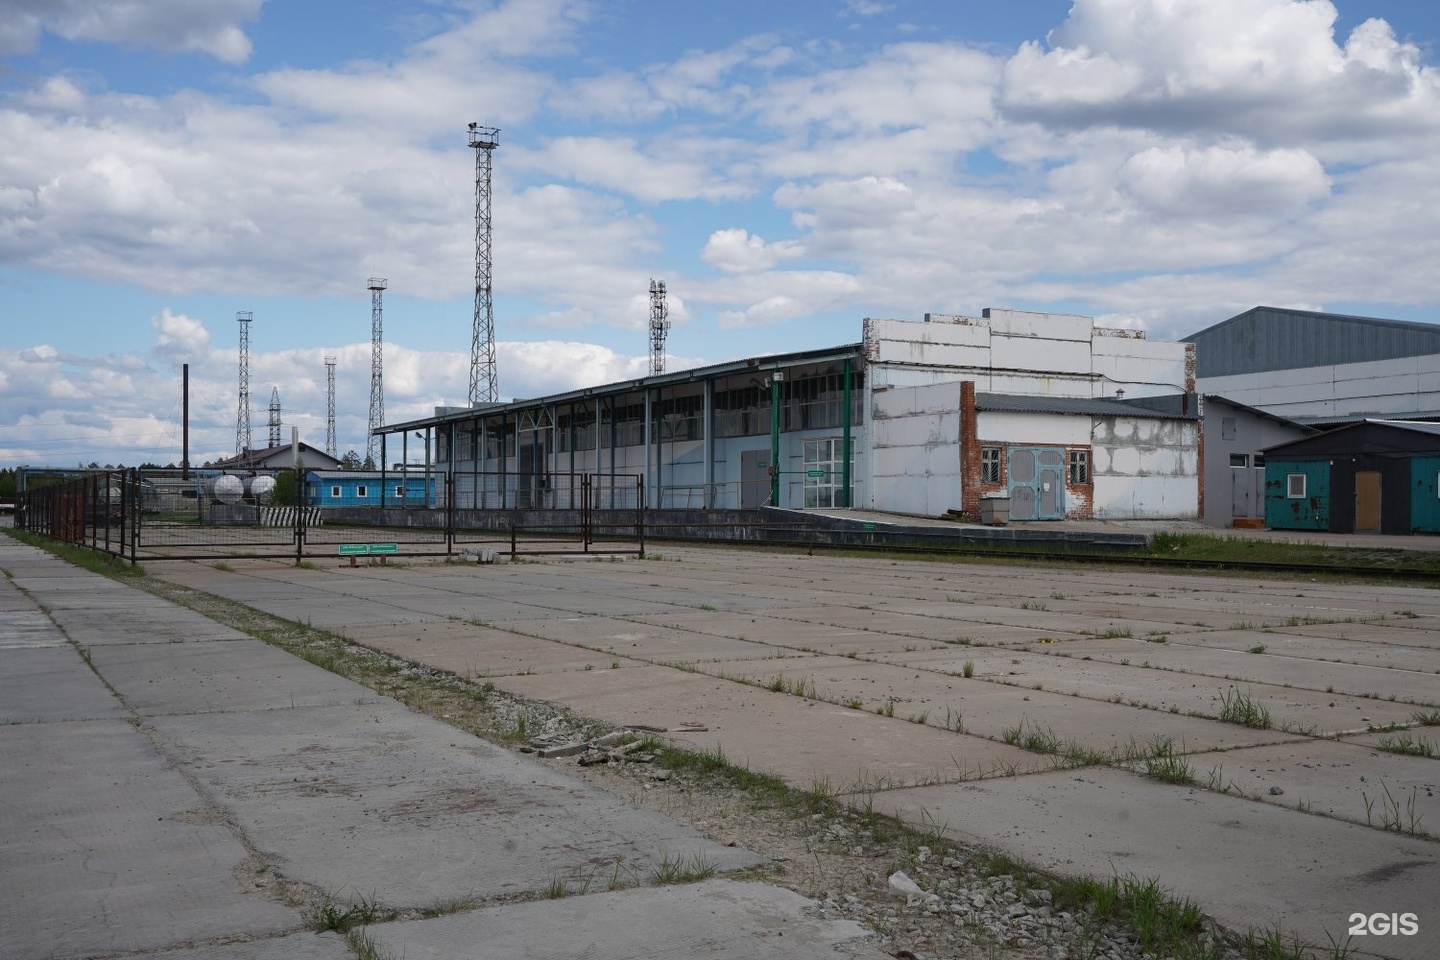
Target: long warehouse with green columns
{"points": [[1066, 419]]}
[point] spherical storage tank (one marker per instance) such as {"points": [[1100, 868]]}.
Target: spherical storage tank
{"points": [[260, 488], [226, 489]]}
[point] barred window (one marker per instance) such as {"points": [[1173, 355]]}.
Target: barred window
{"points": [[989, 464], [1079, 464]]}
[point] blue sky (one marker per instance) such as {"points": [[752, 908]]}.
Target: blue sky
{"points": [[786, 168]]}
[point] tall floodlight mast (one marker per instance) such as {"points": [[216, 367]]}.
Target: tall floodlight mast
{"points": [[659, 325], [377, 377], [330, 407], [242, 412], [274, 416], [483, 385]]}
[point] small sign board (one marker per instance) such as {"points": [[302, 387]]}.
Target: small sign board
{"points": [[817, 474], [368, 549]]}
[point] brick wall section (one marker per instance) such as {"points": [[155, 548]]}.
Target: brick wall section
{"points": [[969, 451]]}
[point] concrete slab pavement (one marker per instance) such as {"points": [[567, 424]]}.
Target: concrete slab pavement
{"points": [[154, 791], [1235, 857], [722, 920], [884, 625]]}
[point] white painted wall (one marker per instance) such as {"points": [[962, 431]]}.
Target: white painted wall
{"points": [[1032, 354], [1145, 469], [1034, 429], [1382, 388], [915, 449]]}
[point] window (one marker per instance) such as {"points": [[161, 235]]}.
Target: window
{"points": [[361, 492], [824, 473], [400, 492], [1078, 462], [335, 493], [1259, 461], [989, 464], [1240, 460], [1295, 486]]}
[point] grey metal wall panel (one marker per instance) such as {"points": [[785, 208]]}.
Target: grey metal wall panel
{"points": [[1274, 338]]}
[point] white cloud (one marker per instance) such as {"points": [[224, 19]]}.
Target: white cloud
{"points": [[171, 26], [738, 251], [1224, 181], [1270, 70]]}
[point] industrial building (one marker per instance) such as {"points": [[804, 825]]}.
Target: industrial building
{"points": [[280, 457], [1236, 437], [368, 488], [1376, 476], [1323, 369], [1064, 418]]}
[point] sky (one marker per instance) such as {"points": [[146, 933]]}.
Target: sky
{"points": [[787, 169]]}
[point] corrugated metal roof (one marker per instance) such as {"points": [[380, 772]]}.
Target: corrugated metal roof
{"points": [[1279, 338], [1083, 406], [1374, 437], [758, 365]]}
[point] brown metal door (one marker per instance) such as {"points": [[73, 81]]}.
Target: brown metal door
{"points": [[1367, 502]]}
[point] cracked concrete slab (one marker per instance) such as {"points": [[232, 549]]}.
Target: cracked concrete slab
{"points": [[405, 809], [248, 674], [712, 920], [100, 852], [1232, 855], [49, 684], [471, 651]]}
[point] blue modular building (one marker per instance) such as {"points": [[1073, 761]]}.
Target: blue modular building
{"points": [[370, 488]]}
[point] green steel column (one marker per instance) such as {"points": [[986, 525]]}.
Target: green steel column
{"points": [[775, 438], [845, 444]]}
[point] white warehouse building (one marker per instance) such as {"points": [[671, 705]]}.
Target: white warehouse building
{"points": [[1065, 418]]}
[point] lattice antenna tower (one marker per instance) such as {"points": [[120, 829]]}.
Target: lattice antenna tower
{"points": [[659, 326], [330, 407], [274, 416], [483, 386], [377, 373], [242, 411]]}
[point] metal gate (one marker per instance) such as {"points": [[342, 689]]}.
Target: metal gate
{"points": [[164, 515]]}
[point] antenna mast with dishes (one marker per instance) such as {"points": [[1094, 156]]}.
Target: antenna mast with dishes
{"points": [[242, 413], [659, 326], [274, 416], [330, 407], [483, 385], [377, 385]]}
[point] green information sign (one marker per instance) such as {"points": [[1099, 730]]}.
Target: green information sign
{"points": [[370, 549], [817, 474]]}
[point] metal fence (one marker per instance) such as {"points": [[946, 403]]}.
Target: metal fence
{"points": [[159, 515]]}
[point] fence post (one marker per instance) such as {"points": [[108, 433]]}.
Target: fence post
{"points": [[137, 509], [586, 519], [513, 552], [450, 512], [640, 516]]}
